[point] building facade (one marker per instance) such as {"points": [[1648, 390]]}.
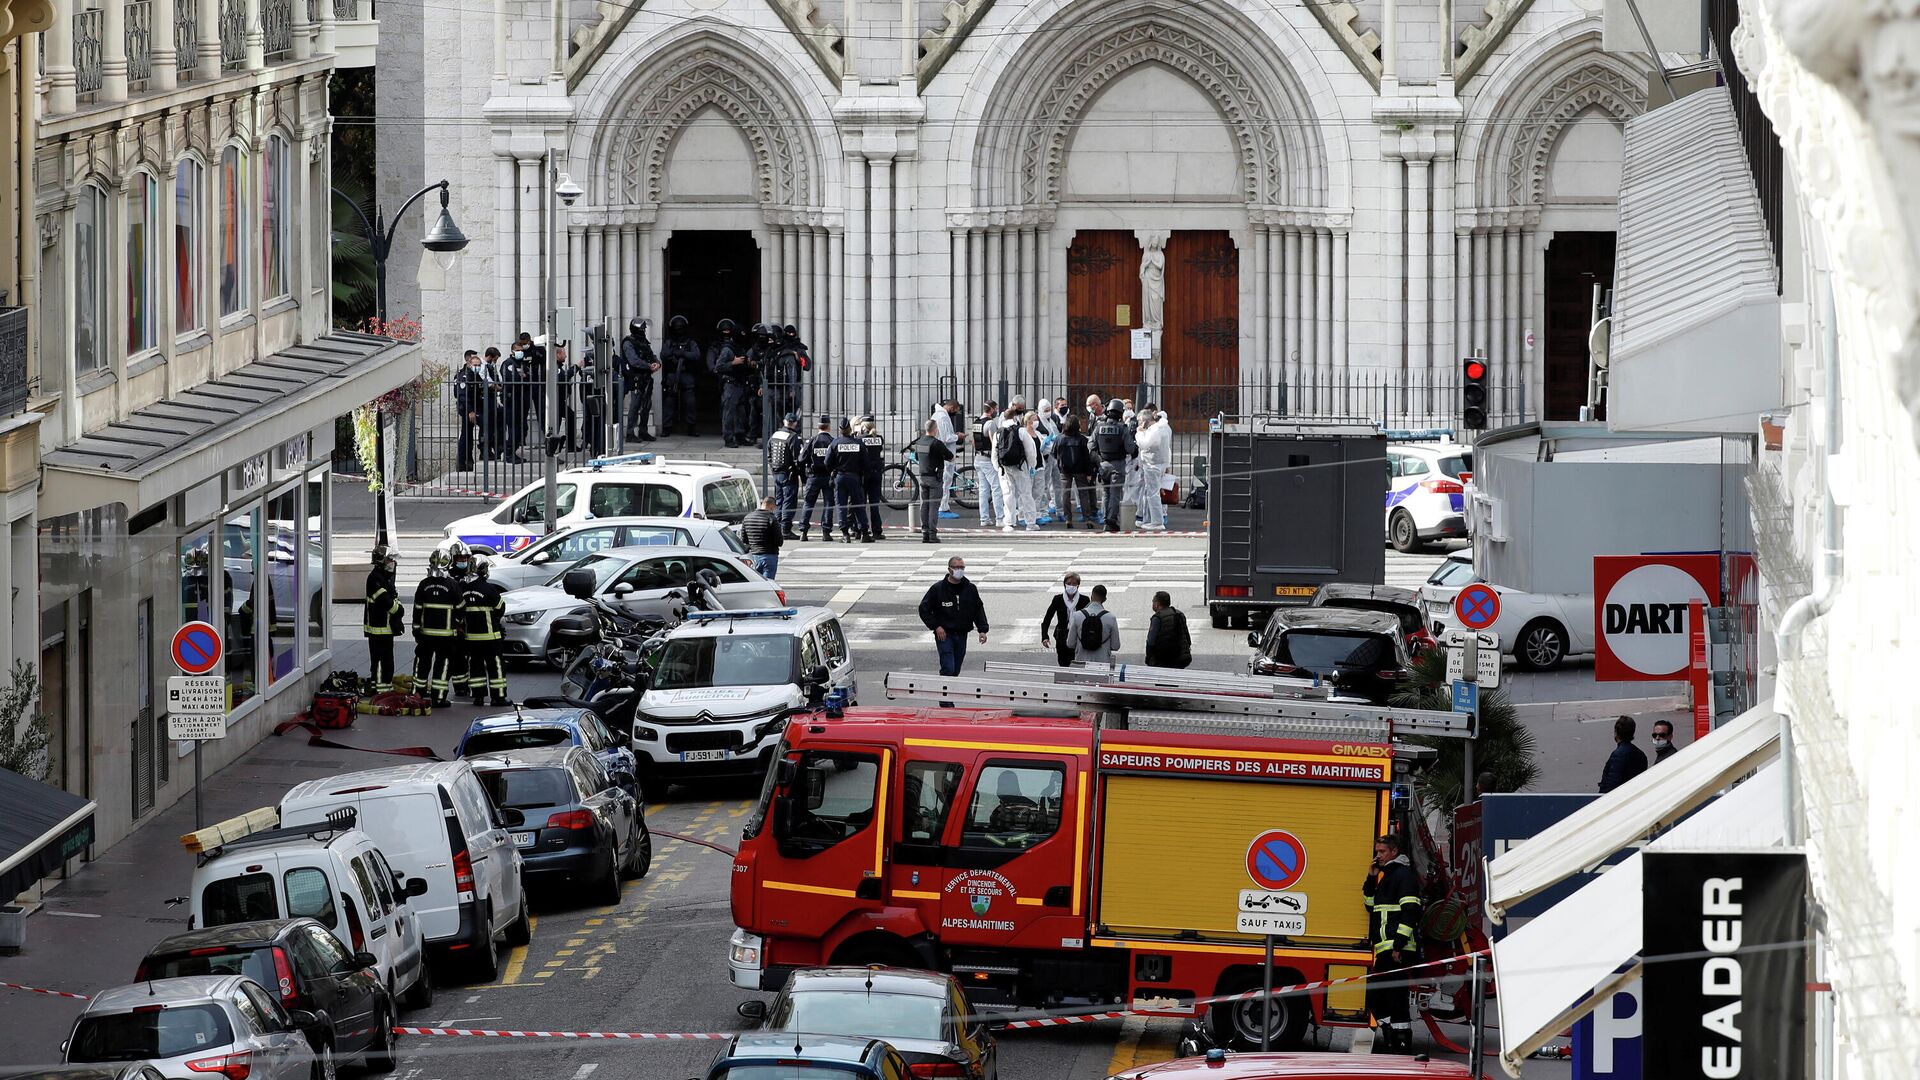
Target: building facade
{"points": [[1292, 201]]}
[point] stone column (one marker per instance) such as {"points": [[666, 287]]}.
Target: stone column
{"points": [[324, 40], [962, 328], [530, 186], [1463, 306], [1441, 355], [163, 70], [303, 30], [58, 39], [1481, 343], [505, 240], [995, 353], [1520, 250], [1254, 277], [1274, 274], [1418, 355], [1049, 347], [594, 296], [577, 273], [819, 313], [1516, 310], [1496, 341], [837, 325], [855, 268], [1029, 310], [770, 273], [113, 51], [883, 235], [802, 314], [1323, 314], [206, 20], [978, 341], [629, 302], [256, 37], [1297, 374], [1340, 316]]}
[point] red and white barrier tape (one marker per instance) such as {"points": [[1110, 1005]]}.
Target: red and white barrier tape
{"points": [[493, 1033], [42, 990]]}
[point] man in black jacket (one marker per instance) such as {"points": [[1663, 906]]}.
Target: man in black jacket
{"points": [[469, 399], [848, 461], [731, 361], [1394, 909], [637, 366], [679, 360], [1168, 643], [760, 532], [382, 618], [1627, 760], [785, 459], [817, 464], [932, 455], [1113, 445], [952, 610], [1053, 625]]}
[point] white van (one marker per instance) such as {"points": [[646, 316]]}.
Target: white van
{"points": [[329, 871], [434, 821]]}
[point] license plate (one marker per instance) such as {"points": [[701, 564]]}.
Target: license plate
{"points": [[703, 755], [524, 839], [1294, 590]]}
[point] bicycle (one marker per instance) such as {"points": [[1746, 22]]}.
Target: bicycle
{"points": [[899, 484]]}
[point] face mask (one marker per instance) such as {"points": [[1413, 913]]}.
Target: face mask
{"points": [[517, 354], [1072, 591], [959, 574], [1662, 744]]}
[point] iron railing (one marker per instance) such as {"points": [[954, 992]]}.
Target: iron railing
{"points": [[88, 57], [313, 11], [233, 34], [139, 19], [14, 388], [186, 38], [1764, 156], [346, 10], [276, 21]]}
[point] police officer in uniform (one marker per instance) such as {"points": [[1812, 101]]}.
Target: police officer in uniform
{"points": [[784, 457], [483, 604], [637, 365], [1113, 445], [679, 360], [873, 460], [730, 360], [848, 460], [383, 618], [436, 642], [816, 462]]}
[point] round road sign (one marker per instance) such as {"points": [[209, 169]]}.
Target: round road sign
{"points": [[1477, 606], [197, 648], [1276, 860]]}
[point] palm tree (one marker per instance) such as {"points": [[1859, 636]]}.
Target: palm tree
{"points": [[1505, 747]]}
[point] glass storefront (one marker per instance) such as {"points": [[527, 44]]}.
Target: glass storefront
{"points": [[239, 552]]}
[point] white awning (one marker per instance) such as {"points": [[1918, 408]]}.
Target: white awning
{"points": [[1569, 959], [1651, 801]]}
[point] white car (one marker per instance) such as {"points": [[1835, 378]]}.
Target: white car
{"points": [[1427, 493], [633, 485], [724, 683], [1539, 630], [199, 1026], [638, 581], [549, 556]]}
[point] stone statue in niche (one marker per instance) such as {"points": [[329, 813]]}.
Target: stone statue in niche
{"points": [[1153, 280]]}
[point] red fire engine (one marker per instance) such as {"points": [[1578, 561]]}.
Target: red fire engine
{"points": [[1083, 837]]}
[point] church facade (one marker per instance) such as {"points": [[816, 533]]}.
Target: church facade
{"points": [[1237, 205]]}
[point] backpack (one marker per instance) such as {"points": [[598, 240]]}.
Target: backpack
{"points": [[1012, 451], [1093, 632], [1073, 457]]}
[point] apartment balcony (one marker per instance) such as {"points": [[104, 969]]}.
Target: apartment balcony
{"points": [[356, 32]]}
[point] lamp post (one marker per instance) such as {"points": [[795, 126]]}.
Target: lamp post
{"points": [[445, 238], [560, 189]]}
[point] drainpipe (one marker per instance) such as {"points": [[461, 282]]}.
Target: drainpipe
{"points": [[1827, 569]]}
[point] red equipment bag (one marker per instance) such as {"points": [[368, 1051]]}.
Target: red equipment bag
{"points": [[333, 711]]}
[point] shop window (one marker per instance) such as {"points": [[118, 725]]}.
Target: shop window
{"points": [[201, 584], [239, 555], [281, 558], [189, 212], [143, 264], [314, 563], [89, 280], [233, 197], [275, 209]]}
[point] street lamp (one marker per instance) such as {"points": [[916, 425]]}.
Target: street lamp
{"points": [[445, 240], [559, 186]]}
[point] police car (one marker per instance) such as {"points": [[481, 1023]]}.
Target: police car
{"points": [[1427, 489], [631, 485]]}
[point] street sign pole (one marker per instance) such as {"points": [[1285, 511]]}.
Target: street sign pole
{"points": [[199, 818], [1266, 998], [1470, 671]]}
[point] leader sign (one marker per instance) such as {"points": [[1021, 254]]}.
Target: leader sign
{"points": [[1640, 613]]}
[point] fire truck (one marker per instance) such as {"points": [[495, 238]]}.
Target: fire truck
{"points": [[1088, 836]]}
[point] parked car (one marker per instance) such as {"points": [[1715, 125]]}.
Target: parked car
{"points": [[577, 824], [133, 1070], [1427, 493], [527, 728], [327, 870], [922, 1014], [299, 962], [1221, 1065], [1358, 653], [627, 486], [1539, 630], [1402, 604], [540, 561], [766, 1055], [636, 581], [1436, 596], [193, 1027], [724, 683], [434, 821]]}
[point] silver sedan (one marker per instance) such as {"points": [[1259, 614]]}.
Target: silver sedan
{"points": [[199, 1026], [545, 558]]}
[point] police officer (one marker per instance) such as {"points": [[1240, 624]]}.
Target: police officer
{"points": [[1113, 445], [526, 393], [483, 605], [873, 462], [790, 365], [436, 641], [469, 398], [383, 617], [816, 459], [729, 360], [784, 457], [679, 360], [848, 460], [637, 365]]}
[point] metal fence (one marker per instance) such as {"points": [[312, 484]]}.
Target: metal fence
{"points": [[138, 15], [276, 25], [88, 71]]}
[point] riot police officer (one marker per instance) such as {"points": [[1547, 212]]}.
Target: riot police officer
{"points": [[1113, 445], [873, 462], [784, 457], [383, 617], [637, 365], [436, 642], [731, 361], [679, 360], [782, 370], [817, 463], [483, 606], [847, 459]]}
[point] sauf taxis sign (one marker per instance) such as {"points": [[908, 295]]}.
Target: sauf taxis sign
{"points": [[1640, 613]]}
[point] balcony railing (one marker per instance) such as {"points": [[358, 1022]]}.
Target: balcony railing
{"points": [[346, 10], [139, 16], [13, 360], [186, 37], [87, 56], [233, 34], [1764, 156], [276, 19]]}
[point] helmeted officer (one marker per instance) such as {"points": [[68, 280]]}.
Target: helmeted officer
{"points": [[436, 641], [483, 607], [873, 463], [460, 563], [679, 361], [780, 371], [729, 359], [637, 365], [847, 459], [817, 463], [1113, 445], [784, 457], [383, 617]]}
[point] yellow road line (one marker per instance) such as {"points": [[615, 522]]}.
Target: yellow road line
{"points": [[1144, 1041], [517, 960]]}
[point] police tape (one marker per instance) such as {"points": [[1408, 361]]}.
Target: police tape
{"points": [[43, 990], [496, 1033]]}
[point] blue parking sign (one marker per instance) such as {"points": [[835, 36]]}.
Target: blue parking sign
{"points": [[1606, 1042], [1466, 697]]}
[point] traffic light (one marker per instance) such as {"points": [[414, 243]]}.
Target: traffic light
{"points": [[1473, 393]]}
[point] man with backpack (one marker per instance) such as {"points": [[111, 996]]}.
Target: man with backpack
{"points": [[1077, 471], [1114, 445], [1014, 453], [1094, 631], [1060, 612], [785, 459], [1168, 643], [980, 434]]}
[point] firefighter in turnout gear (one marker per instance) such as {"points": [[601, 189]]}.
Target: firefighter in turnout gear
{"points": [[785, 458], [460, 562], [436, 636], [1394, 909], [384, 617], [817, 462], [848, 461], [873, 464], [483, 604]]}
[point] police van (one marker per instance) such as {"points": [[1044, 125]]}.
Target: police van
{"points": [[630, 485], [1427, 490]]}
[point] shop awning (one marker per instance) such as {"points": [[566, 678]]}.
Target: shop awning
{"points": [[1569, 959], [180, 441], [1649, 802], [40, 828]]}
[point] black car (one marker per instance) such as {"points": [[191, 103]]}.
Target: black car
{"points": [[1402, 604], [304, 966], [578, 824], [1359, 654]]}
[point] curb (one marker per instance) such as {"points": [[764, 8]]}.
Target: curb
{"points": [[1598, 709]]}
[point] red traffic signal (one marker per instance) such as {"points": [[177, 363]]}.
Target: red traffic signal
{"points": [[1476, 370], [1473, 393]]}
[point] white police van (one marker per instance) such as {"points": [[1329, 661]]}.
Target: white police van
{"points": [[631, 485], [1427, 490]]}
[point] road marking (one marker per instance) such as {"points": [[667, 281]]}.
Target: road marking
{"points": [[1144, 1041], [848, 596], [585, 1071], [518, 960]]}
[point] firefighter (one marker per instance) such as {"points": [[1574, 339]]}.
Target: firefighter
{"points": [[1113, 445], [483, 604], [848, 463], [460, 568], [383, 618], [1394, 909], [436, 642], [816, 461], [873, 464], [784, 460]]}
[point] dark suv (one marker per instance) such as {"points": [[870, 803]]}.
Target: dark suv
{"points": [[1402, 604], [578, 823], [1359, 654]]}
